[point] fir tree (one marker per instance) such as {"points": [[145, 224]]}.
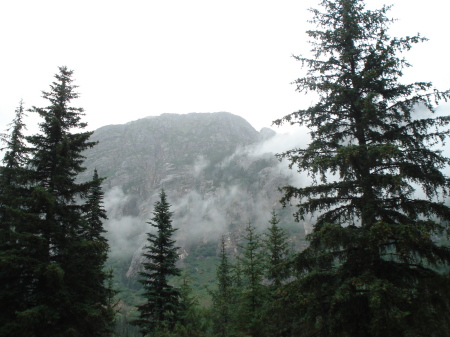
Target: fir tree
{"points": [[276, 246], [253, 293], [224, 297], [161, 308], [95, 214], [56, 162], [94, 282], [237, 275], [16, 148], [372, 266], [17, 244], [277, 273], [57, 301], [12, 176]]}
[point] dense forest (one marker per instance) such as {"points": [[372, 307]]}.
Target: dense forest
{"points": [[377, 261]]}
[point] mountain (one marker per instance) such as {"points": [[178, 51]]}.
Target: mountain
{"points": [[146, 153], [213, 168]]}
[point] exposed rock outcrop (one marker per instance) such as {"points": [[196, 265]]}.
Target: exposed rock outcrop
{"points": [[207, 166]]}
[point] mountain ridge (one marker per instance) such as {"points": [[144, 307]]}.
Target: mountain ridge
{"points": [[206, 163]]}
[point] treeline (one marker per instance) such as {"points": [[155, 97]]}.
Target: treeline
{"points": [[52, 248], [249, 284], [374, 267], [243, 299]]}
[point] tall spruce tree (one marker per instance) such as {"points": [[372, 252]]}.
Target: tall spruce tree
{"points": [[94, 282], [13, 173], [162, 300], [95, 213], [16, 149], [276, 245], [223, 297], [57, 302], [372, 268], [16, 243], [12, 178], [253, 293], [277, 273]]}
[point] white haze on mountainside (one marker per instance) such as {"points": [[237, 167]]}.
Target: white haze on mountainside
{"points": [[197, 215], [125, 233], [200, 216]]}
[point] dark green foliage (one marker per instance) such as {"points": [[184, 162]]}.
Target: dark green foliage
{"points": [[224, 298], [16, 149], [162, 307], [125, 328], [201, 265], [94, 282], [277, 273], [58, 271], [242, 304], [253, 293], [276, 245], [65, 301], [192, 320], [16, 244], [98, 283], [371, 267], [94, 212], [13, 176]]}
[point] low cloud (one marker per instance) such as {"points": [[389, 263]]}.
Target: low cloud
{"points": [[124, 233], [221, 198]]}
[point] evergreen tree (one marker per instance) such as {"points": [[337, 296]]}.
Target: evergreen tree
{"points": [[161, 309], [94, 282], [16, 148], [253, 292], [12, 174], [95, 213], [372, 266], [276, 246], [237, 276], [224, 297], [277, 272], [56, 300], [16, 243], [11, 177]]}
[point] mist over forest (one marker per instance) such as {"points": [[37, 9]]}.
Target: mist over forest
{"points": [[209, 198], [197, 224]]}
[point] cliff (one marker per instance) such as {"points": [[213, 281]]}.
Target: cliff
{"points": [[211, 166]]}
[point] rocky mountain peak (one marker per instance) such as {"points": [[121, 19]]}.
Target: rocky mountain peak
{"points": [[205, 162]]}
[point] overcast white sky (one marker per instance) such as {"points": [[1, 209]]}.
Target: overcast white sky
{"points": [[133, 59]]}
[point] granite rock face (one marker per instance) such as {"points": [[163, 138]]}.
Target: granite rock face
{"points": [[208, 166], [144, 154]]}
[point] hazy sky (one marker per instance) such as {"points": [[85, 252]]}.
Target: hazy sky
{"points": [[133, 59]]}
